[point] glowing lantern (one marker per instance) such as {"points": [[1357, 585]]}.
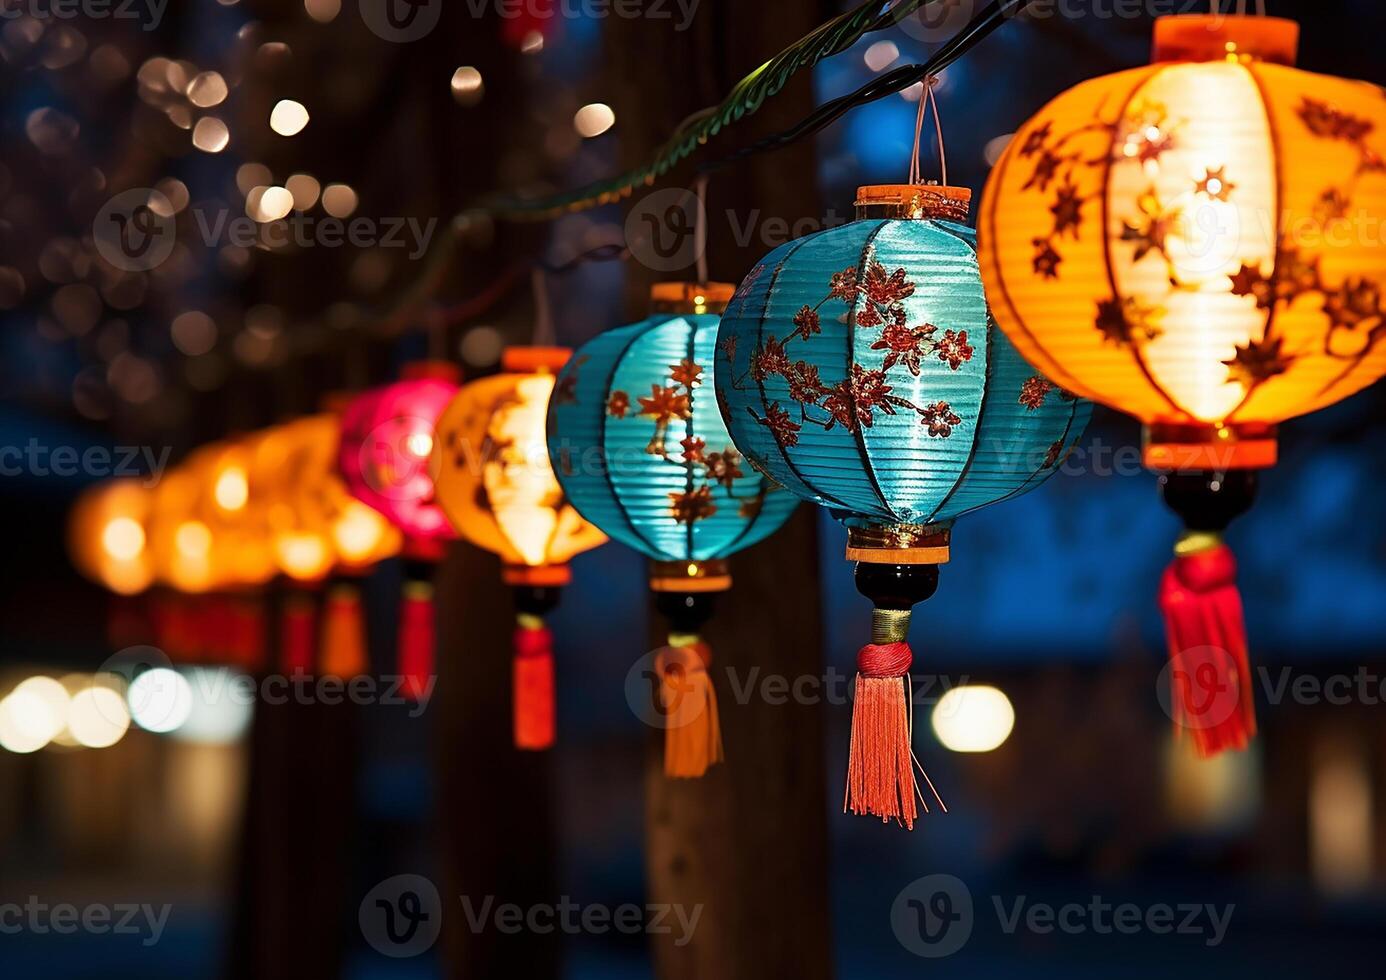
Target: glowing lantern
{"points": [[859, 368], [498, 488], [385, 457], [1181, 242], [107, 537], [641, 450]]}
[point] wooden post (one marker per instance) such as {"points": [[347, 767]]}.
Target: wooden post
{"points": [[748, 842]]}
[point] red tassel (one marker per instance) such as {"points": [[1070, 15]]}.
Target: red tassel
{"points": [[1210, 673], [248, 634], [693, 730], [298, 629], [344, 634], [534, 685], [417, 639]]}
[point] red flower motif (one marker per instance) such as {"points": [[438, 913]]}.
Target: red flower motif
{"points": [[1052, 457], [724, 467], [618, 404], [1033, 392], [844, 285], [940, 419], [806, 322], [685, 373], [869, 316], [1047, 259], [1035, 141], [1329, 121], [885, 290], [853, 400], [693, 449], [781, 426], [805, 386], [954, 349], [769, 359], [665, 404], [693, 505], [905, 345]]}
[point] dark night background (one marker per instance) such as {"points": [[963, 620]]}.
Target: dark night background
{"points": [[1049, 597]]}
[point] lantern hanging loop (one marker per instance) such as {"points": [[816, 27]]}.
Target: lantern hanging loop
{"points": [[700, 227], [927, 95], [1241, 8]]}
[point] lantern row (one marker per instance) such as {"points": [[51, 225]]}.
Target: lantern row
{"points": [[1173, 241]]}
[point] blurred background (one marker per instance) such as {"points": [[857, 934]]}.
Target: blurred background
{"points": [[252, 838]]}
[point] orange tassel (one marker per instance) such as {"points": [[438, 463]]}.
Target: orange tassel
{"points": [[344, 634], [533, 684], [880, 760], [692, 729]]}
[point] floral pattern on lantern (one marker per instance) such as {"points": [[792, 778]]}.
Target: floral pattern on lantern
{"points": [[494, 478], [860, 369], [1183, 241], [641, 450]]}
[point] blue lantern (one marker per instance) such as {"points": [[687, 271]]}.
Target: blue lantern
{"points": [[859, 367], [640, 448]]}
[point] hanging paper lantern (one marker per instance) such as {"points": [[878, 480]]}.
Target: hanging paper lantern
{"points": [[107, 538], [497, 486], [1183, 242], [641, 451], [385, 457], [860, 369]]}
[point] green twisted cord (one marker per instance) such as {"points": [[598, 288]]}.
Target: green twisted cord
{"points": [[746, 98]]}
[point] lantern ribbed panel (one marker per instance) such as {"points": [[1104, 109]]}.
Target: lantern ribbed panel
{"points": [[1196, 243], [974, 425], [602, 449]]}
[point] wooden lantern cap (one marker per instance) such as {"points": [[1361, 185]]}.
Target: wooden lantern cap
{"points": [[1224, 37], [539, 576], [690, 297], [914, 201], [534, 360], [1184, 448], [900, 544], [432, 371], [690, 576]]}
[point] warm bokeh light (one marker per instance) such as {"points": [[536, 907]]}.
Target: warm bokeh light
{"points": [[98, 717], [594, 119], [123, 539], [288, 118], [210, 135], [221, 711], [973, 718], [467, 86], [339, 200], [232, 489]]}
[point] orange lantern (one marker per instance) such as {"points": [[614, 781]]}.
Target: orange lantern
{"points": [[1194, 243], [107, 536], [497, 487]]}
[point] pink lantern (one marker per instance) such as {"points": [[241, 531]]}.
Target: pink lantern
{"points": [[387, 444], [386, 460]]}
